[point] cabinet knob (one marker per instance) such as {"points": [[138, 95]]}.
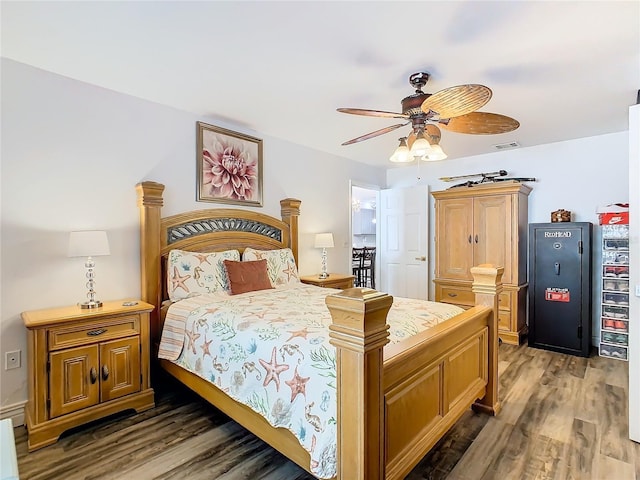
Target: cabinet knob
{"points": [[452, 295], [93, 374], [469, 238], [105, 372], [476, 238]]}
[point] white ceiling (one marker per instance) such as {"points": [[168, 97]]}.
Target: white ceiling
{"points": [[565, 70]]}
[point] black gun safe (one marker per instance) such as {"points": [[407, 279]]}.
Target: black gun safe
{"points": [[560, 287]]}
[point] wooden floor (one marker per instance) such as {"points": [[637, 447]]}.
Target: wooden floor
{"points": [[563, 418]]}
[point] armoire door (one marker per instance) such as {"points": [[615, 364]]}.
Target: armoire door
{"points": [[454, 243], [492, 230]]}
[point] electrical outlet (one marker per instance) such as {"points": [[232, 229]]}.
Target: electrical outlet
{"points": [[12, 360]]}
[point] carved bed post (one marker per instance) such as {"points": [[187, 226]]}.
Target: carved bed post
{"points": [[487, 285], [289, 211], [150, 204], [359, 332]]}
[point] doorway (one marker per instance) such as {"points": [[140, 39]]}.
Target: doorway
{"points": [[393, 225], [364, 235]]}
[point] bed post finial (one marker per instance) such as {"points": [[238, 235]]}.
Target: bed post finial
{"points": [[487, 285], [150, 203], [290, 211], [359, 332]]}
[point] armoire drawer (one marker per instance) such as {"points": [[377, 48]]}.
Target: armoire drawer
{"points": [[454, 294], [461, 295], [504, 320]]}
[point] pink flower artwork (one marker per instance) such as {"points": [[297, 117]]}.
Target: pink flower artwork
{"points": [[230, 166]]}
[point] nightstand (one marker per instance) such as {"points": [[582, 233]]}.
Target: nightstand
{"points": [[334, 280], [84, 365]]}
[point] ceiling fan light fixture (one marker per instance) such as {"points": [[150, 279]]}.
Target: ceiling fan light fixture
{"points": [[421, 146], [401, 154], [436, 153]]}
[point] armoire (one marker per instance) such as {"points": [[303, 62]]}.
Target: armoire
{"points": [[484, 223]]}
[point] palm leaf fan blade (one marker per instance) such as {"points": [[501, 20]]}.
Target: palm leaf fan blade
{"points": [[480, 123], [456, 101]]}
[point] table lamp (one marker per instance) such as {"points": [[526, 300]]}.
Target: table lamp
{"points": [[89, 244], [324, 241]]}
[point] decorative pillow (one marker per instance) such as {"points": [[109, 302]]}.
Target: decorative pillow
{"points": [[281, 266], [193, 273], [247, 276]]}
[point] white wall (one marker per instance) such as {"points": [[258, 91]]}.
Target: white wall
{"points": [[72, 154], [634, 272], [576, 175]]}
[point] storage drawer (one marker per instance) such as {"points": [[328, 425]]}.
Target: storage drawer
{"points": [[453, 294], [86, 332], [504, 300], [464, 296], [504, 320]]}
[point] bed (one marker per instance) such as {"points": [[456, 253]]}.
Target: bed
{"points": [[394, 401]]}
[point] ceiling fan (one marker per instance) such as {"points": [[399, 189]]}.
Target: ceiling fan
{"points": [[453, 109]]}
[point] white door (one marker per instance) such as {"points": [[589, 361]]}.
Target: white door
{"points": [[403, 242]]}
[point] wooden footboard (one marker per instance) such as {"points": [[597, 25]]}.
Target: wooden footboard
{"points": [[429, 386], [397, 407]]}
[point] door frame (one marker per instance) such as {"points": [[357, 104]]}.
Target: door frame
{"points": [[376, 188]]}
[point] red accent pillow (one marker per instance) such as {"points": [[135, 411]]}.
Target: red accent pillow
{"points": [[247, 276]]}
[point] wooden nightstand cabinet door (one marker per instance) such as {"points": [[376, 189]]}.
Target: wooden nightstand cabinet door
{"points": [[72, 383], [120, 368]]}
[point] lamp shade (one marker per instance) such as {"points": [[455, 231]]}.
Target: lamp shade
{"points": [[401, 154], [88, 244], [436, 153], [421, 146], [324, 240]]}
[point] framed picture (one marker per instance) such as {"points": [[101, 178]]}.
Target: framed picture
{"points": [[229, 166]]}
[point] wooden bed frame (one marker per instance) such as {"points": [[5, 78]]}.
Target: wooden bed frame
{"points": [[394, 403]]}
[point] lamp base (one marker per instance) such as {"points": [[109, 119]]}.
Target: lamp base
{"points": [[323, 275], [93, 304]]}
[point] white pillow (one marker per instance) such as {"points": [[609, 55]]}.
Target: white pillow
{"points": [[193, 273], [281, 266]]}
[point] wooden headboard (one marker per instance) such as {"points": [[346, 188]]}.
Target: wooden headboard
{"points": [[210, 230]]}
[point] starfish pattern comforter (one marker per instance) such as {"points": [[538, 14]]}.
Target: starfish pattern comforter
{"points": [[270, 350]]}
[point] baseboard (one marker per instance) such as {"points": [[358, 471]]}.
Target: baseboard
{"points": [[15, 412]]}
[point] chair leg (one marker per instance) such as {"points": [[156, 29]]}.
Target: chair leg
{"points": [[357, 272]]}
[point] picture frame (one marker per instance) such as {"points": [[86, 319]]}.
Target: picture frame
{"points": [[229, 166]]}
